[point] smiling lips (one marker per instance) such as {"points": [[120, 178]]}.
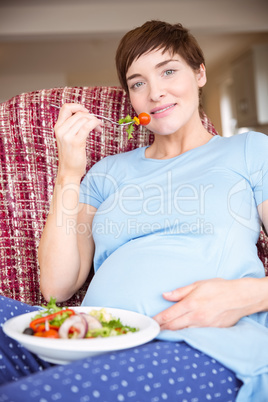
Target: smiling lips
{"points": [[162, 109]]}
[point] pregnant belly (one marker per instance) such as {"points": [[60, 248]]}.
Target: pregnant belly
{"points": [[135, 276]]}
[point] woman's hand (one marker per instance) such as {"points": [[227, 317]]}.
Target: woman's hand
{"points": [[213, 303], [72, 129]]}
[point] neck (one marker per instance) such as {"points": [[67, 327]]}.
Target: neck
{"points": [[169, 146]]}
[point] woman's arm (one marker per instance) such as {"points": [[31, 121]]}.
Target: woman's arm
{"points": [[66, 248], [216, 302]]}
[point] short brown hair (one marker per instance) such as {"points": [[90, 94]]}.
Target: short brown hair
{"points": [[154, 35]]}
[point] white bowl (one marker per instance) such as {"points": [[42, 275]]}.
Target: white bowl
{"points": [[62, 351]]}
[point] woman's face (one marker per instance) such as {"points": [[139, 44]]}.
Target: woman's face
{"points": [[164, 86]]}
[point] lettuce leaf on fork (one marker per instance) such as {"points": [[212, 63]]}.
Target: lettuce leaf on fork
{"points": [[130, 128]]}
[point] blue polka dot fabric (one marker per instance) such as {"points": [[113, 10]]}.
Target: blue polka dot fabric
{"points": [[156, 371]]}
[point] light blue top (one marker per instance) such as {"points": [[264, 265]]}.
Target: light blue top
{"points": [[162, 224]]}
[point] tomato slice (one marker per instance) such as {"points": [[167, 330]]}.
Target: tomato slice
{"points": [[51, 333]]}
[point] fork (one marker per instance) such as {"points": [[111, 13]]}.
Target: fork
{"points": [[101, 117]]}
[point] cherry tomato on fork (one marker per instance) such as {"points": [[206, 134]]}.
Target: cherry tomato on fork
{"points": [[144, 118]]}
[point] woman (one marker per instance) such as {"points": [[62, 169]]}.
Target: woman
{"points": [[177, 212]]}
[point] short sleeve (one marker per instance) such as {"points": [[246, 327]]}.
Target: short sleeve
{"points": [[91, 188], [257, 164]]}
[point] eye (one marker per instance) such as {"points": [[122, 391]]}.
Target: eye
{"points": [[169, 72], [136, 85]]}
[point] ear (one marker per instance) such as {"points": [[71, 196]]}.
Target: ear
{"points": [[201, 76]]}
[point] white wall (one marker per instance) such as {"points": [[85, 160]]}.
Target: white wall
{"points": [[15, 84], [63, 17]]}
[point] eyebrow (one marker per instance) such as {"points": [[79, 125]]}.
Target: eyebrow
{"points": [[161, 64]]}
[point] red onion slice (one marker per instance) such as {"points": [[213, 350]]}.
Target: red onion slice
{"points": [[76, 321], [92, 322]]}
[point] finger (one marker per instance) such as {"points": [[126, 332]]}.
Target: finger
{"points": [[179, 293], [78, 125], [71, 120], [87, 127], [85, 121], [80, 130], [99, 128], [184, 321], [175, 311], [68, 109]]}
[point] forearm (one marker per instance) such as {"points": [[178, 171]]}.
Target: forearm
{"points": [[58, 252], [257, 291]]}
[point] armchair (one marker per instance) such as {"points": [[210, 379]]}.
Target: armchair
{"points": [[28, 157]]}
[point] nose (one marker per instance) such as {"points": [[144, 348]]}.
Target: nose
{"points": [[156, 91]]}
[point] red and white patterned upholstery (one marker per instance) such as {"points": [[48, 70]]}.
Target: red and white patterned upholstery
{"points": [[28, 156]]}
